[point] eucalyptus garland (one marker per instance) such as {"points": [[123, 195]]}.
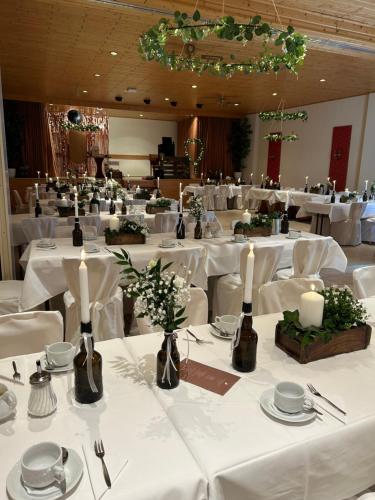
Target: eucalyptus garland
{"points": [[152, 45], [282, 116], [80, 127], [278, 137], [199, 158]]}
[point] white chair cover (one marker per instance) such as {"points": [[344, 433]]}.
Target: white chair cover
{"points": [[185, 264], [10, 296], [106, 298], [196, 313], [28, 332], [20, 206], [87, 220], [348, 232], [165, 222], [37, 228], [228, 289], [364, 282], [63, 232], [208, 197], [308, 258], [284, 295], [220, 198], [367, 496], [368, 230]]}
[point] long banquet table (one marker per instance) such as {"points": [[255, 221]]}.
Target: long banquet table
{"points": [[336, 212], [44, 276], [129, 420]]}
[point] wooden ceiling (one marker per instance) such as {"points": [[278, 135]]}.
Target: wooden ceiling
{"points": [[50, 51]]}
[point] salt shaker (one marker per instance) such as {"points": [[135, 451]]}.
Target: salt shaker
{"points": [[42, 399]]}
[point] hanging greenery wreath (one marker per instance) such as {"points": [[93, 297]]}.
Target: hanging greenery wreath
{"points": [[273, 137], [80, 127], [292, 44], [282, 116], [199, 158]]}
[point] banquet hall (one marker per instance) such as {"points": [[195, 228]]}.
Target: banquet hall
{"points": [[187, 269]]}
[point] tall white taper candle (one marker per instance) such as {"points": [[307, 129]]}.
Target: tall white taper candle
{"points": [[248, 293], [84, 289]]}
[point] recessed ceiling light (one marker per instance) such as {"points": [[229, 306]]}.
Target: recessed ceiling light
{"points": [[194, 86], [131, 90], [99, 109], [166, 98], [236, 104], [85, 91], [141, 116], [50, 104], [322, 80], [274, 93], [113, 53], [97, 75]]}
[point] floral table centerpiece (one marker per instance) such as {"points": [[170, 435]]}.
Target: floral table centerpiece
{"points": [[260, 225], [343, 329], [129, 233], [161, 296], [196, 210], [158, 205]]}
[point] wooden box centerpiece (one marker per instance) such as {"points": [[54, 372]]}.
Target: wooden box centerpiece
{"points": [[260, 225], [129, 233], [343, 329], [158, 206], [69, 211]]}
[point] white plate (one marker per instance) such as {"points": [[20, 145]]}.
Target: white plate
{"points": [[266, 402], [53, 247], [167, 246], [219, 335], [73, 473], [293, 237], [57, 369], [39, 245], [234, 241], [97, 250]]}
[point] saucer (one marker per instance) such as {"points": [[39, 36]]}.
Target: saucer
{"points": [[223, 335], [167, 246], [73, 473], [266, 402], [235, 241], [293, 237], [51, 247], [96, 250], [56, 369]]}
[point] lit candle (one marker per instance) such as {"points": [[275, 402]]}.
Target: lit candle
{"points": [[46, 178], [347, 190], [221, 176], [248, 294], [158, 182], [38, 172], [181, 208], [84, 289], [67, 174], [106, 181], [251, 176], [279, 178], [208, 180], [36, 192], [311, 308], [114, 223], [334, 185], [262, 177], [110, 173], [239, 180], [306, 179], [246, 217], [271, 182], [287, 201], [328, 179], [202, 175], [366, 185], [76, 204]]}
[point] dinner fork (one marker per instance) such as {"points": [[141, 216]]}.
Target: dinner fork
{"points": [[198, 340], [99, 452], [16, 374], [317, 393]]}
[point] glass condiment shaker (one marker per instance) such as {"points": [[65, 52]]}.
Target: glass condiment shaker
{"points": [[42, 399]]}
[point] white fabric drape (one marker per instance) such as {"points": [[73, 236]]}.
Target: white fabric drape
{"points": [[41, 227], [10, 296], [364, 282], [220, 198], [165, 222], [348, 232]]}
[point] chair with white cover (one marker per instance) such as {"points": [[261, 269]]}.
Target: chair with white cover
{"points": [[10, 296], [221, 197], [105, 295], [284, 295], [37, 228], [367, 496], [368, 230], [19, 205], [63, 232], [309, 256], [348, 232], [29, 332], [208, 197], [229, 289], [165, 222], [363, 282]]}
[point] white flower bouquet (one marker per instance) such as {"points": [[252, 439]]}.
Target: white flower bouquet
{"points": [[196, 209]]}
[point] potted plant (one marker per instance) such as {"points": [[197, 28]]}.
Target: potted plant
{"points": [[158, 205], [343, 329], [129, 233], [239, 143]]}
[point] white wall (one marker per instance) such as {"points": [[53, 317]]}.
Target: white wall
{"points": [[132, 136], [310, 155]]}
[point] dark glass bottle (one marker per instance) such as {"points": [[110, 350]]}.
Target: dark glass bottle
{"points": [[94, 204], [328, 190], [364, 197], [77, 234], [82, 389], [244, 356], [158, 193], [306, 189], [58, 195], [112, 207], [202, 183], [284, 226], [198, 232], [123, 208], [106, 197], [38, 210], [161, 360], [333, 197], [180, 228], [262, 185]]}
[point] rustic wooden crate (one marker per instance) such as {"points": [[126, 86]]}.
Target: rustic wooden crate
{"points": [[258, 231], [152, 209], [346, 341], [69, 211], [125, 239]]}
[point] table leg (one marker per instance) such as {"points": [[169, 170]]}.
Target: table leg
{"points": [[317, 223], [321, 224]]}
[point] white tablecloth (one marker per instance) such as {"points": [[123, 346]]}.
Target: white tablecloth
{"points": [[247, 455], [336, 212], [44, 277], [130, 421], [296, 198], [233, 190]]}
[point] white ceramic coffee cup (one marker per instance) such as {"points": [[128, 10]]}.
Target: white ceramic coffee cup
{"points": [[41, 465], [239, 237], [60, 353], [8, 402], [290, 397], [167, 242], [227, 323], [294, 234], [45, 242], [90, 247]]}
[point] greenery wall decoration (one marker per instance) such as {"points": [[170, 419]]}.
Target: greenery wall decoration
{"points": [[240, 141], [200, 155], [282, 116], [80, 127], [273, 137], [290, 45]]}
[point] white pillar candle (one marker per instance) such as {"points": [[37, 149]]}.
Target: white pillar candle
{"points": [[38, 172], [157, 182], [76, 204], [50, 180], [306, 179], [347, 190], [180, 191], [36, 192], [114, 223], [84, 289], [271, 182], [334, 185], [311, 308], [366, 185], [248, 293], [246, 217], [208, 180], [239, 180]]}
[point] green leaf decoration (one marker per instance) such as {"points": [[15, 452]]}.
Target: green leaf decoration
{"points": [[196, 15]]}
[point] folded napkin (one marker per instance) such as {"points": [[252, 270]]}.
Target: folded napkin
{"points": [[114, 460]]}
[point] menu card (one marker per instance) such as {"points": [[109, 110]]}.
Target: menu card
{"points": [[208, 378]]}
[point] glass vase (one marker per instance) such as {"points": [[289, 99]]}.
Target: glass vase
{"points": [[168, 363]]}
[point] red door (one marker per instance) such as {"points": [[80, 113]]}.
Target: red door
{"points": [[338, 168], [273, 163]]}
